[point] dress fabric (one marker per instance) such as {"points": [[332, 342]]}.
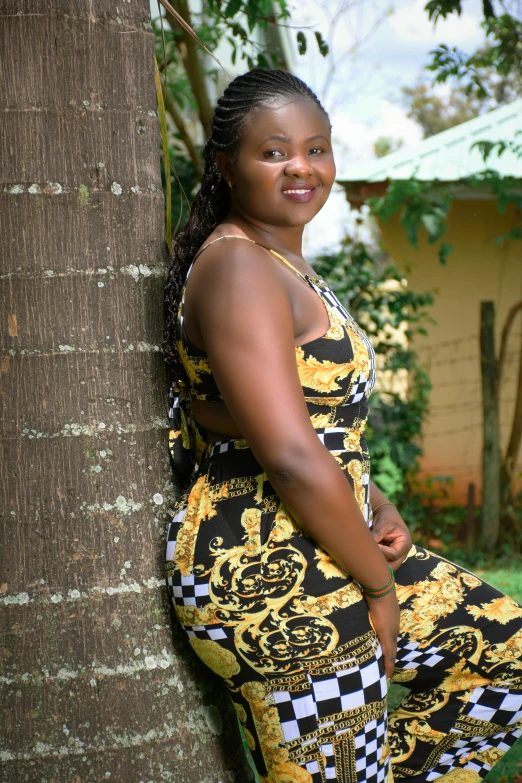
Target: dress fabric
{"points": [[288, 630]]}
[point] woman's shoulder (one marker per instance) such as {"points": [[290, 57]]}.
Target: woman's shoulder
{"points": [[226, 256]]}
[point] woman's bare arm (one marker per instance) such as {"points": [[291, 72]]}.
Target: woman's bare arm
{"points": [[245, 319]]}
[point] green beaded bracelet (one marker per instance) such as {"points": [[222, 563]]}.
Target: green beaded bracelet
{"points": [[380, 591]]}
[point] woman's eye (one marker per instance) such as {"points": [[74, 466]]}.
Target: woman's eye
{"points": [[272, 153], [316, 149]]}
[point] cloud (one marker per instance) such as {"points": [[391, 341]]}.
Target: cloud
{"points": [[410, 25], [354, 140]]}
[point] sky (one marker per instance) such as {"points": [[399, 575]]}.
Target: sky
{"points": [[363, 93], [392, 39]]}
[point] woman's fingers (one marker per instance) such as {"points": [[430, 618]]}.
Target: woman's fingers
{"points": [[390, 655]]}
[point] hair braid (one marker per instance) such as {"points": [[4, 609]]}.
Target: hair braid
{"points": [[256, 88]]}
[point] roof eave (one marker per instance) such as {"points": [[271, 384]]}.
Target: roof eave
{"points": [[357, 192]]}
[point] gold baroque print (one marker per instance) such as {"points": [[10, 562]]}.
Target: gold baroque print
{"points": [[501, 610], [461, 678], [435, 597], [256, 586], [201, 504], [271, 738], [322, 376], [222, 661], [506, 653]]}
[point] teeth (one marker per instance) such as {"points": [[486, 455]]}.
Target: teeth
{"points": [[299, 191]]}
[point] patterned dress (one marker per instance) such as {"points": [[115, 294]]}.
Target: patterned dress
{"points": [[288, 630]]}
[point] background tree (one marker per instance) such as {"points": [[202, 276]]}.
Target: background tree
{"points": [[385, 145], [91, 686], [436, 111]]}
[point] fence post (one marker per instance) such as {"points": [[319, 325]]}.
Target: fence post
{"points": [[489, 521]]}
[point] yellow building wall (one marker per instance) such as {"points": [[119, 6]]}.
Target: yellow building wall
{"points": [[477, 270]]}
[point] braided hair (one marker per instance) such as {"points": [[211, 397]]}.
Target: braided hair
{"points": [[258, 87]]}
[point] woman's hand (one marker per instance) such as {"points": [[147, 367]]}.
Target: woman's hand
{"points": [[384, 616], [390, 532]]}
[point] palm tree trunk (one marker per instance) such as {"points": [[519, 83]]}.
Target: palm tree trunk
{"points": [[92, 688]]}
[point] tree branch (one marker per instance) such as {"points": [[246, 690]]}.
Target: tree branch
{"points": [[172, 109], [190, 57]]}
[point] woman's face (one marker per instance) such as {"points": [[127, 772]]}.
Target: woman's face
{"points": [[285, 167]]}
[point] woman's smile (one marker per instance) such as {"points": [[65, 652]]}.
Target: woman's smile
{"points": [[301, 194]]}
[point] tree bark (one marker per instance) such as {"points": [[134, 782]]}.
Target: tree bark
{"points": [[515, 438], [489, 522], [92, 688]]}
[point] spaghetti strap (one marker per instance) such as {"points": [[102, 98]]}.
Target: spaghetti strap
{"points": [[299, 274]]}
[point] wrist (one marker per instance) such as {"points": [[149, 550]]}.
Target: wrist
{"points": [[384, 503], [383, 590]]}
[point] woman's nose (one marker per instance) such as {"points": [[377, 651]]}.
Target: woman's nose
{"points": [[298, 166]]}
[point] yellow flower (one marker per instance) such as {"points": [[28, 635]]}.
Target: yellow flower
{"points": [[352, 440], [223, 662], [253, 692], [283, 526], [502, 610], [490, 756]]}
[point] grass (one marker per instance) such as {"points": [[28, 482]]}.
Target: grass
{"points": [[505, 578]]}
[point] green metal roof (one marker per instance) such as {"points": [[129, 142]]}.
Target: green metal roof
{"points": [[447, 156]]}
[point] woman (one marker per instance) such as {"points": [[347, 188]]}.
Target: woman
{"points": [[279, 551]]}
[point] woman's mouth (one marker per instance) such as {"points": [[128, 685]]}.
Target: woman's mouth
{"points": [[299, 194]]}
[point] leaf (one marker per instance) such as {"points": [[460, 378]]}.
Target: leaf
{"points": [[321, 43], [433, 225], [444, 250], [301, 42], [232, 7]]}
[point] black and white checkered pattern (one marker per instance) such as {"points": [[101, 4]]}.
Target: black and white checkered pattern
{"points": [[174, 526], [188, 590], [499, 706], [349, 687], [214, 632], [297, 713], [411, 656], [369, 744], [464, 753]]}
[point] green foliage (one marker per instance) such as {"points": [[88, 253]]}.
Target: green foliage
{"points": [[375, 292], [502, 55], [420, 205], [238, 21], [426, 203], [385, 145], [436, 113]]}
